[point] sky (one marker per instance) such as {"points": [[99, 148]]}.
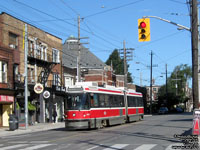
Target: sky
{"points": [[107, 23]]}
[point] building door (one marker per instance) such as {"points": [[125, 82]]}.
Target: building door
{"points": [[1, 113]]}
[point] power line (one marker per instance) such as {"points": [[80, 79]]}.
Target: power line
{"points": [[108, 10], [74, 25]]}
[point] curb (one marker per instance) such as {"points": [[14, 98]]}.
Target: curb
{"points": [[31, 129]]}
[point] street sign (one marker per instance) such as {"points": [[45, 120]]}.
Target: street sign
{"points": [[38, 88], [46, 94]]}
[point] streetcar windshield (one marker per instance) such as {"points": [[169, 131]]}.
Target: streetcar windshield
{"points": [[77, 102]]}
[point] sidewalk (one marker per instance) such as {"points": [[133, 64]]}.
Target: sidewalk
{"points": [[4, 131]]}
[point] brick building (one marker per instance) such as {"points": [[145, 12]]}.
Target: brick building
{"points": [[6, 84], [44, 66]]}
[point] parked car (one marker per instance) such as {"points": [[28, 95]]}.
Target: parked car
{"points": [[179, 110], [163, 110]]}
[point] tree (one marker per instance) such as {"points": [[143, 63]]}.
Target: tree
{"points": [[118, 64], [176, 86]]}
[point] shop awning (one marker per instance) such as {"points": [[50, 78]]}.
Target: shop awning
{"points": [[6, 98]]}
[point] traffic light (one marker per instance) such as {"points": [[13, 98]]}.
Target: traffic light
{"points": [[144, 29]]}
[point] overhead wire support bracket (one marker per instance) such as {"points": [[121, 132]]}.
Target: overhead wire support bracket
{"points": [[171, 22]]}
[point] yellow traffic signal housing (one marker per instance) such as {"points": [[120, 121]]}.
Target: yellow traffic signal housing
{"points": [[144, 30]]}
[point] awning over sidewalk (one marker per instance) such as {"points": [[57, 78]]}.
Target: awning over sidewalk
{"points": [[6, 99]]}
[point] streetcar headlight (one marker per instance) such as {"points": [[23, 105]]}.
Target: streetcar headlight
{"points": [[74, 115]]}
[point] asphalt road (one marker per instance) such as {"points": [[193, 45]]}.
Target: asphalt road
{"points": [[157, 132]]}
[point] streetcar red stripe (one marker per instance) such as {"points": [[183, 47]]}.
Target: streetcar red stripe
{"points": [[135, 94], [101, 113], [104, 90]]}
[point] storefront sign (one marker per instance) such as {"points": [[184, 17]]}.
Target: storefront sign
{"points": [[46, 94], [5, 98], [38, 88]]}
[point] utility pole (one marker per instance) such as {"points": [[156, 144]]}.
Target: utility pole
{"points": [[79, 53], [176, 85], [25, 75], [151, 72], [194, 40], [151, 83], [125, 65], [127, 56], [194, 31], [166, 80]]}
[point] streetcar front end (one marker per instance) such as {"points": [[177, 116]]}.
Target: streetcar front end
{"points": [[77, 112]]}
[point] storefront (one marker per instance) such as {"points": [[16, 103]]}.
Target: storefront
{"points": [[6, 108]]}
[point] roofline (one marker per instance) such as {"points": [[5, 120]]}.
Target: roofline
{"points": [[30, 24]]}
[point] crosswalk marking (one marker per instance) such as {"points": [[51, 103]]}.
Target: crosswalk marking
{"points": [[145, 147], [92, 147], [175, 144], [37, 146], [116, 146], [13, 146]]}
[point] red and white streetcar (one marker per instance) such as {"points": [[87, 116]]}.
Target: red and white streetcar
{"points": [[90, 106]]}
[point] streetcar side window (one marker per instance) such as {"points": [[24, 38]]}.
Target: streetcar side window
{"points": [[101, 100], [94, 100], [139, 101], [117, 101], [120, 101], [104, 100], [132, 101], [113, 101], [107, 104]]}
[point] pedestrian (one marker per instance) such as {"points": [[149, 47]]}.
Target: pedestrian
{"points": [[54, 115]]}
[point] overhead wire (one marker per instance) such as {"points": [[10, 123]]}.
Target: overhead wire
{"points": [[71, 56], [108, 10], [74, 25]]}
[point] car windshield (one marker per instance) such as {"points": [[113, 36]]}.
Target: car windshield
{"points": [[77, 102]]}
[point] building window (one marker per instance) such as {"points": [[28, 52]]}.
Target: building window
{"points": [[31, 48], [56, 79], [3, 72], [56, 55], [68, 81], [13, 40], [16, 73], [31, 75]]}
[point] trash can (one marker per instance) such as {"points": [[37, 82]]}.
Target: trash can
{"points": [[13, 122]]}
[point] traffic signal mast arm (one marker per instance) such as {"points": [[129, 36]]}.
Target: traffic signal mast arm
{"points": [[181, 26]]}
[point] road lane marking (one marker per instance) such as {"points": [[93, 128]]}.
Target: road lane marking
{"points": [[38, 142], [18, 142], [92, 148], [13, 146], [145, 147], [116, 146], [37, 146]]}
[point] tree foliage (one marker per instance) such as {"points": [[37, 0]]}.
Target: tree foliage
{"points": [[176, 84], [118, 64]]}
